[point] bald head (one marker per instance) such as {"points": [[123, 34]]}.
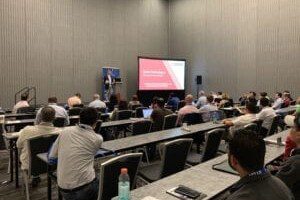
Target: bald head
{"points": [[96, 96], [189, 99]]}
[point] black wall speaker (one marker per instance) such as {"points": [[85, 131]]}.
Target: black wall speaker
{"points": [[199, 80]]}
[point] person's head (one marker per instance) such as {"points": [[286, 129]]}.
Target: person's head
{"points": [[252, 94], [246, 152], [24, 97], [263, 94], [210, 98], [201, 93], [135, 98], [251, 108], [109, 72], [298, 101], [113, 99], [278, 95], [225, 96], [96, 97], [88, 116], [264, 102], [172, 94], [52, 100], [122, 105], [48, 114], [160, 103], [189, 99], [78, 95], [252, 100], [286, 95]]}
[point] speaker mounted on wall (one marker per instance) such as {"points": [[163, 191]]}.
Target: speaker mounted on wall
{"points": [[199, 80]]}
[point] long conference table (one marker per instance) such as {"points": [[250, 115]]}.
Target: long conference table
{"points": [[202, 177]]}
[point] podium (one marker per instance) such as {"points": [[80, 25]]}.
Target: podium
{"points": [[118, 88]]}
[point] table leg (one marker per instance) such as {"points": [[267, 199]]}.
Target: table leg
{"points": [[49, 184], [17, 166], [11, 160]]}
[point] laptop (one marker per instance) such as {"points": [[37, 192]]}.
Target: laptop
{"points": [[147, 113]]}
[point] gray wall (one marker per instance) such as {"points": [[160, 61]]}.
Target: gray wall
{"points": [[59, 46], [238, 45]]}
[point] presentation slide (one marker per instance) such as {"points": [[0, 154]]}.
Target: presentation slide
{"points": [[158, 74]]}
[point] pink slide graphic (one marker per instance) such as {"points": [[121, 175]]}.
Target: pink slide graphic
{"points": [[161, 74]]}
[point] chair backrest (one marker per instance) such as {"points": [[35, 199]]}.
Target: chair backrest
{"points": [[98, 126], [141, 127], [174, 155], [123, 114], [110, 171], [251, 127], [101, 110], [78, 106], [74, 111], [212, 143], [59, 122], [36, 145], [29, 109], [134, 107], [192, 118], [170, 121], [139, 112], [274, 125]]}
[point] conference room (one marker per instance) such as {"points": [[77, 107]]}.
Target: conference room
{"points": [[149, 100]]}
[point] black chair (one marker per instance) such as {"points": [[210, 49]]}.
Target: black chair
{"points": [[211, 146], [123, 114], [98, 127], [134, 107], [174, 154], [139, 112], [78, 106], [141, 127], [29, 109], [192, 118], [274, 126], [101, 110], [110, 171], [251, 127], [36, 145], [59, 122], [181, 104], [170, 121], [74, 111]]}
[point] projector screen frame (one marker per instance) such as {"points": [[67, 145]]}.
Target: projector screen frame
{"points": [[160, 58]]}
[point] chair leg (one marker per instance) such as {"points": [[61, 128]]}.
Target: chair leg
{"points": [[146, 154], [26, 183], [8, 168]]}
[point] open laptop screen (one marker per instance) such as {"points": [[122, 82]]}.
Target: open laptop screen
{"points": [[147, 113]]}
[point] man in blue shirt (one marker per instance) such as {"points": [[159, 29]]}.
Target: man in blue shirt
{"points": [[173, 101]]}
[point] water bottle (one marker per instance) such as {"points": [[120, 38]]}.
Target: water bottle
{"points": [[124, 185]]}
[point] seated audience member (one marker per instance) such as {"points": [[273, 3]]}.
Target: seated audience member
{"points": [[225, 101], [242, 120], [153, 102], [266, 115], [173, 101], [286, 100], [246, 155], [134, 102], [59, 111], [47, 115], [188, 108], [206, 109], [74, 100], [121, 106], [97, 103], [289, 172], [202, 100], [243, 99], [158, 114], [290, 144], [278, 101], [113, 101], [220, 95], [262, 95], [75, 149], [21, 104]]}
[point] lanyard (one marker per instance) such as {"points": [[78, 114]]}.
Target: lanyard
{"points": [[259, 172]]}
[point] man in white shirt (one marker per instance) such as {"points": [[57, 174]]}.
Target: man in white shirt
{"points": [[97, 103], [202, 99], [206, 109], [21, 104], [75, 149], [242, 120], [188, 108], [266, 115], [60, 112], [278, 101], [44, 128]]}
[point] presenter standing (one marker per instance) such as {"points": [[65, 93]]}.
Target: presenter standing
{"points": [[109, 81]]}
